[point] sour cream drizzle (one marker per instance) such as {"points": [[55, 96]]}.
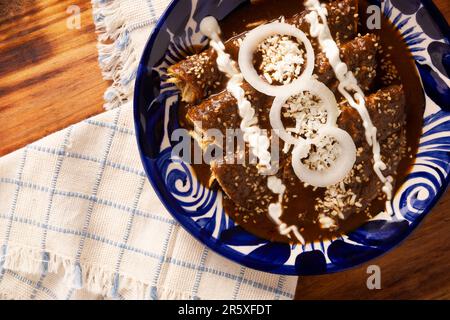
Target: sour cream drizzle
{"points": [[348, 84], [253, 135], [259, 141], [276, 209]]}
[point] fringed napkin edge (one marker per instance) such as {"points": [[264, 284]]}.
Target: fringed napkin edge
{"points": [[118, 58]]}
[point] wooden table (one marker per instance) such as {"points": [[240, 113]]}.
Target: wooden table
{"points": [[49, 75], [49, 79]]}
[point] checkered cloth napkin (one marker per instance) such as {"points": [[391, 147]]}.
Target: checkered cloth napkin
{"points": [[78, 217]]}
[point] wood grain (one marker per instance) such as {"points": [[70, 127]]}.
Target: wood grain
{"points": [[49, 79], [49, 75]]}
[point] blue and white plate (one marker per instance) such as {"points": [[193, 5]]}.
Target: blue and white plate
{"points": [[200, 210]]}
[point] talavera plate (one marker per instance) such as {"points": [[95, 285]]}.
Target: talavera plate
{"points": [[199, 210]]}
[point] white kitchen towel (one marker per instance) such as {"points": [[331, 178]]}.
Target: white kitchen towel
{"points": [[78, 217]]}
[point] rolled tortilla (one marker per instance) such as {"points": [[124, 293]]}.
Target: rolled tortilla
{"points": [[198, 77]]}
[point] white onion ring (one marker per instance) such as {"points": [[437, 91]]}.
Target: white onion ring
{"points": [[251, 42], [319, 90], [340, 168]]}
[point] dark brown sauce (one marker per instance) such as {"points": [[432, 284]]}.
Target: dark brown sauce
{"points": [[248, 17]]}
